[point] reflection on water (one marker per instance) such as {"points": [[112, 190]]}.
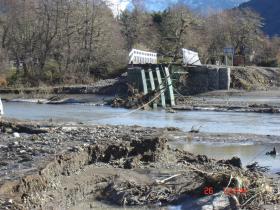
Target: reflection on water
{"points": [[248, 153], [226, 122]]}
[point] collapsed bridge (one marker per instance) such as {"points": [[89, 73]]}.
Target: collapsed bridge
{"points": [[171, 80]]}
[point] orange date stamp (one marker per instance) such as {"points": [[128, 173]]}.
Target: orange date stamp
{"points": [[235, 191], [227, 191]]}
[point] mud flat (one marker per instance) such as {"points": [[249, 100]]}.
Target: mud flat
{"points": [[58, 166], [233, 101]]}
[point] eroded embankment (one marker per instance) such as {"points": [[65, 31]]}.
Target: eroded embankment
{"points": [[62, 167], [255, 78], [102, 87]]}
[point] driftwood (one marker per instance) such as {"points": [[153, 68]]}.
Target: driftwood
{"points": [[167, 179]]}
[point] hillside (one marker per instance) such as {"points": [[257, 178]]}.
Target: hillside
{"points": [[156, 5], [270, 11], [203, 5]]}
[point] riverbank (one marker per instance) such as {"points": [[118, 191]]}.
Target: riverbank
{"points": [[64, 166], [205, 121], [232, 101], [255, 89], [221, 101], [101, 87]]}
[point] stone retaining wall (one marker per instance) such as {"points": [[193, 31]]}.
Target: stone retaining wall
{"points": [[201, 79]]}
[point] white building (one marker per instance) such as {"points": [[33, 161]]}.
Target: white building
{"points": [[142, 57], [190, 57], [1, 108]]}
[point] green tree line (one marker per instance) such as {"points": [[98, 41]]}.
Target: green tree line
{"points": [[80, 41]]}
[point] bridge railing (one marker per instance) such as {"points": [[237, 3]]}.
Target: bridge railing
{"points": [[142, 57]]}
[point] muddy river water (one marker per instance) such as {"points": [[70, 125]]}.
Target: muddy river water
{"points": [[216, 122]]}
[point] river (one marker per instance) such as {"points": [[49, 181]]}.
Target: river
{"points": [[214, 122]]}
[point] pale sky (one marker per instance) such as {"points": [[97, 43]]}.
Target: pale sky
{"points": [[117, 5], [155, 5]]}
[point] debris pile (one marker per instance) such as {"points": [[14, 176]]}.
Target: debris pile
{"points": [[135, 100], [66, 166]]}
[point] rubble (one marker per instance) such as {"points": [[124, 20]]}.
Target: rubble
{"points": [[68, 165], [273, 152]]}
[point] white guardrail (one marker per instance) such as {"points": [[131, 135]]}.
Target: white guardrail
{"points": [[142, 57]]}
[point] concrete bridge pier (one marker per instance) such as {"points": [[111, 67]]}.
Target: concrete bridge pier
{"points": [[152, 84], [169, 86], [152, 77], [161, 88]]}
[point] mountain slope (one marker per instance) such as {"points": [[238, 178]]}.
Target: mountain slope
{"points": [[212, 4], [270, 11], [200, 5]]}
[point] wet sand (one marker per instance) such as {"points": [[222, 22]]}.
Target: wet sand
{"points": [[233, 101]]}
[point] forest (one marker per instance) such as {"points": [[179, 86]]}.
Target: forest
{"points": [[52, 42]]}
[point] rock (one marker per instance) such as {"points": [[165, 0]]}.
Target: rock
{"points": [[203, 159], [195, 130], [65, 101], [115, 152], [170, 110], [75, 149], [235, 161], [118, 102], [40, 102], [132, 162], [216, 201], [3, 164], [7, 130], [273, 152], [25, 158], [148, 144], [255, 167], [207, 207], [172, 129]]}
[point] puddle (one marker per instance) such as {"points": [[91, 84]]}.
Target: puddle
{"points": [[248, 153]]}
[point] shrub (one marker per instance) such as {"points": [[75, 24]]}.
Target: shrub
{"points": [[3, 82], [269, 63]]}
